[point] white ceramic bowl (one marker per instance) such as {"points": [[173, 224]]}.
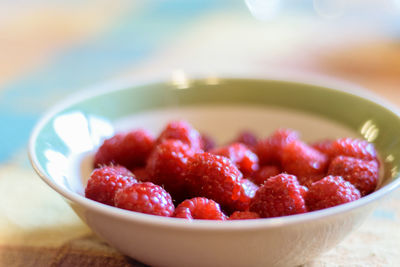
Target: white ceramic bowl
{"points": [[64, 140]]}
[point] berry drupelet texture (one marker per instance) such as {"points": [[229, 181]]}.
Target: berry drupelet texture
{"points": [[167, 166], [329, 192], [280, 195], [105, 181], [146, 198], [215, 177], [362, 174], [241, 156], [199, 208], [128, 149], [269, 150], [183, 131]]}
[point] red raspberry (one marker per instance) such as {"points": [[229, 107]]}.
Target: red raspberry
{"points": [[183, 131], [269, 150], [330, 191], [281, 195], [141, 174], [309, 179], [199, 208], [250, 188], [247, 192], [247, 138], [105, 181], [146, 198], [303, 191], [303, 161], [324, 146], [244, 215], [241, 156], [215, 177], [128, 149], [207, 142], [355, 148], [167, 166], [121, 170], [362, 174], [264, 173]]}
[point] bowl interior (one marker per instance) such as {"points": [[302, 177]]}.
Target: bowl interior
{"points": [[63, 142]]}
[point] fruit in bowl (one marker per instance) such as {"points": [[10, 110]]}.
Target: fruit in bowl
{"points": [[63, 148], [336, 172]]}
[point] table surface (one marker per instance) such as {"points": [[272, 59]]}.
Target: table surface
{"points": [[52, 49]]}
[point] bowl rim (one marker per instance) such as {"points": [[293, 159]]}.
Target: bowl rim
{"points": [[328, 83]]}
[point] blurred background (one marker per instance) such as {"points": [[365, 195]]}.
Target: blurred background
{"points": [[52, 48], [49, 49]]}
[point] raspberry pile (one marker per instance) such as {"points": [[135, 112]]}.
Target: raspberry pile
{"points": [[181, 173]]}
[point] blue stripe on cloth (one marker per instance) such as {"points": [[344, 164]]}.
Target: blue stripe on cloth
{"points": [[133, 38], [14, 132]]}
